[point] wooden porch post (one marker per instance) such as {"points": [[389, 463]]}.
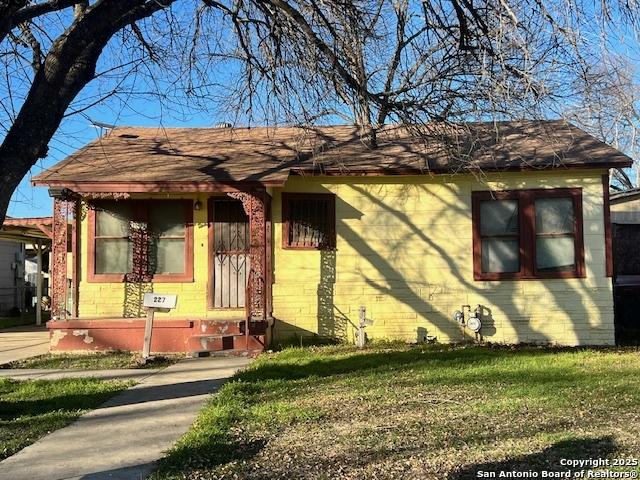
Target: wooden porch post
{"points": [[39, 285], [62, 209], [254, 204]]}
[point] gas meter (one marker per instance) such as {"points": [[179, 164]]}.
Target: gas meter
{"points": [[472, 322]]}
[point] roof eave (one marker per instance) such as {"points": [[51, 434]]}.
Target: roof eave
{"points": [[348, 172], [157, 186]]}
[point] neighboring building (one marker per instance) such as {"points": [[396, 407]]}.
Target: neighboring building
{"points": [[315, 223], [12, 285], [625, 220], [625, 207], [23, 246]]}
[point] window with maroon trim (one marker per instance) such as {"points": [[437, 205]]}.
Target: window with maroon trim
{"points": [[113, 249], [163, 230], [308, 221], [528, 234]]}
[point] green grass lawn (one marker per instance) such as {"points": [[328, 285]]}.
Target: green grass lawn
{"points": [[91, 361], [31, 409], [428, 412]]}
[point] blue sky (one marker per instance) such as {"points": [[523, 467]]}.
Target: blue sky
{"points": [[29, 201], [145, 109], [137, 103]]}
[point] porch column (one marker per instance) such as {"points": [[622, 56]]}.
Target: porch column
{"points": [[254, 204], [39, 285], [63, 208]]}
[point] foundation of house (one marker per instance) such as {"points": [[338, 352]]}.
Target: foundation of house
{"points": [[193, 336]]}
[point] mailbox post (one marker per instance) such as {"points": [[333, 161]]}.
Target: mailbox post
{"points": [[154, 302]]}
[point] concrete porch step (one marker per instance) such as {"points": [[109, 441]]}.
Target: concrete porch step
{"points": [[223, 353], [226, 342], [219, 335], [231, 327]]}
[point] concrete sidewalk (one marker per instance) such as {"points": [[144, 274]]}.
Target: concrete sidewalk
{"points": [[137, 374], [124, 437], [17, 343]]}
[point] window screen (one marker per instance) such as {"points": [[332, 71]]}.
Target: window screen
{"points": [[113, 248], [555, 242], [167, 237], [500, 236]]}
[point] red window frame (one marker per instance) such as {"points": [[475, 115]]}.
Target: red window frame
{"points": [[140, 213], [330, 198], [527, 233]]}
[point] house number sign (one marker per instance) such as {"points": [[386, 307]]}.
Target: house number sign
{"points": [[159, 300], [155, 302]]}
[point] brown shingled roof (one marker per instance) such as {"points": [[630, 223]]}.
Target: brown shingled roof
{"points": [[268, 155]]}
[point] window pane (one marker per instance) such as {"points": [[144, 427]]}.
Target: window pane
{"points": [[167, 256], [555, 254], [113, 255], [499, 217], [500, 255], [113, 220], [166, 219], [554, 215], [309, 222]]}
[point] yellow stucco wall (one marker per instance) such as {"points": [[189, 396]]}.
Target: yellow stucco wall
{"points": [[404, 251]]}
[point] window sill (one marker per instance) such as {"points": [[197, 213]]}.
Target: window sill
{"points": [[229, 310], [319, 248], [118, 278], [490, 277]]}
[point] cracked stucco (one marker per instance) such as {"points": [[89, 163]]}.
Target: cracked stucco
{"points": [[56, 336], [87, 338]]}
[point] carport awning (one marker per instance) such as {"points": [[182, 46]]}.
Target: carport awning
{"points": [[27, 230], [37, 231]]}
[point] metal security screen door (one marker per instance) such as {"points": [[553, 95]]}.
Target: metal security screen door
{"points": [[230, 253]]}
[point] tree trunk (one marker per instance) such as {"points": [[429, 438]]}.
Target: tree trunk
{"points": [[68, 67], [40, 115]]}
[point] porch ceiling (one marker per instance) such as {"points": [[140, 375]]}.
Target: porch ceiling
{"points": [[27, 230]]}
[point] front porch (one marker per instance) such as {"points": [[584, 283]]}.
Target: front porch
{"points": [[196, 336], [112, 254]]}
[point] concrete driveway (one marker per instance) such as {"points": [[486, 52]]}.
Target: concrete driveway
{"points": [[23, 342]]}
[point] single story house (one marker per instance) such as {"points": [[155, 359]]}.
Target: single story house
{"points": [[274, 233]]}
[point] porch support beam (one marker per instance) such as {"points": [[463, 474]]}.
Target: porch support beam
{"points": [[255, 206], [64, 205], [39, 284]]}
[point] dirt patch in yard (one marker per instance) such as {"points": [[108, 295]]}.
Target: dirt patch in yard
{"points": [[414, 412]]}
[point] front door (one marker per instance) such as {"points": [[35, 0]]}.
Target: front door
{"points": [[230, 254]]}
